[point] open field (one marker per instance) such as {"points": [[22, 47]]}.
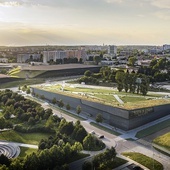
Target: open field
{"points": [[106, 95], [28, 138]]}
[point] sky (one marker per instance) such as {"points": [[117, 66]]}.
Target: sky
{"points": [[84, 22]]}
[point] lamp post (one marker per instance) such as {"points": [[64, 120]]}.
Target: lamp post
{"points": [[138, 81]]}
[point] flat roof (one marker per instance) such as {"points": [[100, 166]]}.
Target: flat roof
{"points": [[3, 76], [58, 67]]}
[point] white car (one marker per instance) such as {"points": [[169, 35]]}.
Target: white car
{"points": [[92, 132]]}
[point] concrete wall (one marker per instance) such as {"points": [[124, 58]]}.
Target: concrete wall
{"points": [[117, 117]]}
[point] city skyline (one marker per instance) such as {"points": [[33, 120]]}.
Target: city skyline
{"points": [[76, 22]]}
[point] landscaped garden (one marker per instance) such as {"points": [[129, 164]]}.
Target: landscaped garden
{"points": [[53, 135]]}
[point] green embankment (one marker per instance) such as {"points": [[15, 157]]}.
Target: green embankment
{"points": [[28, 138], [163, 141], [144, 160], [153, 129]]}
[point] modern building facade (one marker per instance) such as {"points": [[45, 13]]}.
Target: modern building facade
{"points": [[114, 116]]}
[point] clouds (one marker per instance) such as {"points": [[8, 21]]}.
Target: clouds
{"points": [[83, 21], [163, 4], [9, 3]]}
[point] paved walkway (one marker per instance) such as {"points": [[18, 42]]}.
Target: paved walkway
{"points": [[118, 99]]}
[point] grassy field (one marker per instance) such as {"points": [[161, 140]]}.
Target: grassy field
{"points": [[153, 129], [146, 161], [163, 141], [106, 96], [26, 151], [28, 138]]}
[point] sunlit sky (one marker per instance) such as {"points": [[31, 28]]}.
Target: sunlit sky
{"points": [[84, 22]]}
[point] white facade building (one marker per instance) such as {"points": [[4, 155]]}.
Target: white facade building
{"points": [[54, 55], [166, 47], [112, 49]]}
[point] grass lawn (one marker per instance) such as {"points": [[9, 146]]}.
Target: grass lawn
{"points": [[117, 162], [163, 141], [28, 138], [26, 151], [105, 129], [153, 129], [106, 96], [146, 161]]}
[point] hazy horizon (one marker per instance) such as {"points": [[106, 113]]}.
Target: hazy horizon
{"points": [[84, 22]]}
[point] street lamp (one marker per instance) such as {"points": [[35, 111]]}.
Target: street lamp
{"points": [[138, 81]]}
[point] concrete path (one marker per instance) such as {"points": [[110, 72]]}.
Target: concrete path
{"points": [[118, 99], [20, 144]]}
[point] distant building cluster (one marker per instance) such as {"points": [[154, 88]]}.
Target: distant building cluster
{"points": [[54, 55], [22, 58], [89, 54]]}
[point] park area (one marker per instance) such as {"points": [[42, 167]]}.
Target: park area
{"points": [[107, 95]]}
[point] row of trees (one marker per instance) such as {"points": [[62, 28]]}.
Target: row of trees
{"points": [[66, 61], [129, 82], [157, 71], [133, 82]]}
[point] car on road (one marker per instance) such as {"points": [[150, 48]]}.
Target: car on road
{"points": [[101, 136], [92, 132]]}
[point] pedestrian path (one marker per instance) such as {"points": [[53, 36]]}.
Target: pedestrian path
{"points": [[118, 99]]}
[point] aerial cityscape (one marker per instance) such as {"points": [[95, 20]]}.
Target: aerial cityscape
{"points": [[84, 85]]}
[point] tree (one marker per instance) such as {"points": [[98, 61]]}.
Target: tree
{"points": [[132, 60], [87, 165], [4, 160], [88, 73], [78, 109], [77, 147], [28, 91], [54, 101], [60, 103], [99, 118], [68, 106], [120, 75], [31, 121], [97, 59]]}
